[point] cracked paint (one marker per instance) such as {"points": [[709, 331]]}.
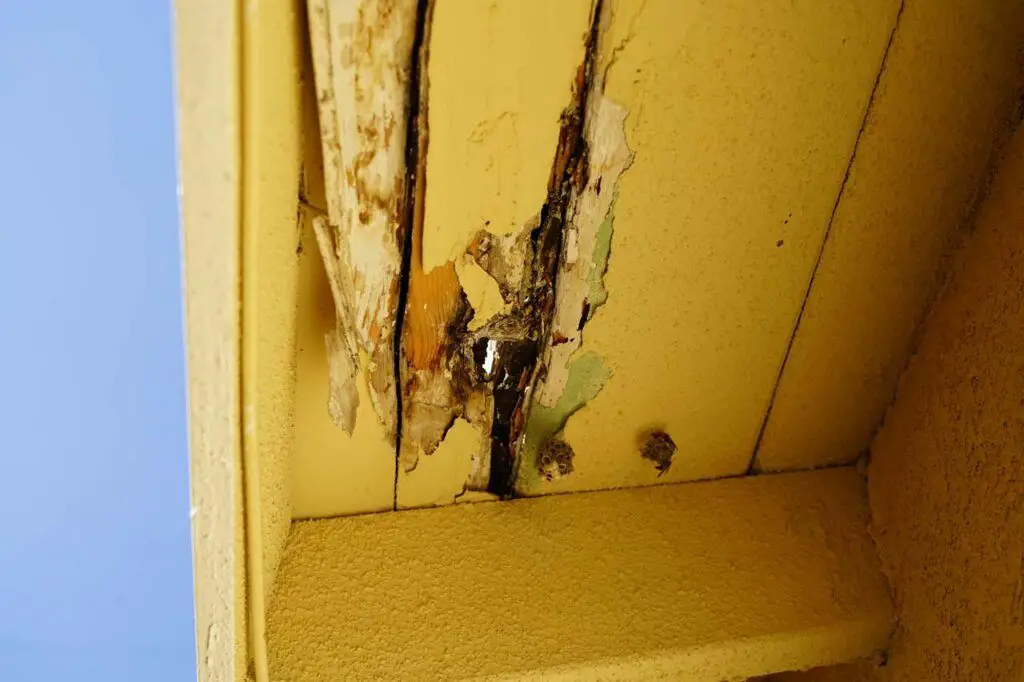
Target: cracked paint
{"points": [[494, 121], [587, 243], [480, 281]]}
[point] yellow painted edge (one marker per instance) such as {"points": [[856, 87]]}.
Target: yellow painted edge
{"points": [[271, 152], [207, 46], [707, 662], [250, 457]]}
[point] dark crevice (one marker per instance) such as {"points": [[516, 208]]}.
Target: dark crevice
{"points": [[517, 362], [824, 242], [415, 186]]}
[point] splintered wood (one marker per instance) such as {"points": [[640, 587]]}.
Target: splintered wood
{"points": [[362, 53], [480, 160], [504, 148]]}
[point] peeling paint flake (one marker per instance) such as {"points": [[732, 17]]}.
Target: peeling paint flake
{"points": [[588, 236], [362, 51], [343, 400], [441, 478], [482, 291]]}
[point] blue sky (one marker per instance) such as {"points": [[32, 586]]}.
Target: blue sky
{"points": [[95, 563]]}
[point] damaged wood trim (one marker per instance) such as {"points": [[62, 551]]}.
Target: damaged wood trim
{"points": [[568, 177], [362, 52], [433, 306], [568, 378], [427, 355], [413, 202], [487, 374]]}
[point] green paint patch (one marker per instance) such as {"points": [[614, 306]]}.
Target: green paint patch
{"points": [[597, 294], [587, 376], [586, 371]]}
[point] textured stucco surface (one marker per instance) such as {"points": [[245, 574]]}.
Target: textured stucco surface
{"points": [[271, 158], [712, 580], [946, 479], [859, 671], [207, 61], [951, 82], [947, 470]]}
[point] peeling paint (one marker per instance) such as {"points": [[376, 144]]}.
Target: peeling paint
{"points": [[361, 52], [441, 478], [495, 102], [505, 258], [477, 323], [343, 400], [332, 473], [586, 376], [569, 379], [482, 291], [587, 242]]}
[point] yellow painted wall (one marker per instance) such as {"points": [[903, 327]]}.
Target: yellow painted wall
{"points": [[951, 82], [946, 472], [945, 479]]}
